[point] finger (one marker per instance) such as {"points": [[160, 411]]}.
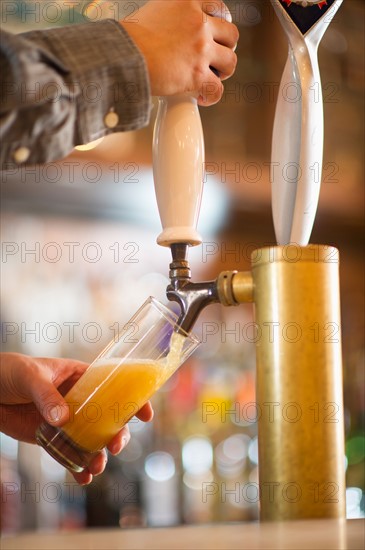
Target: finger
{"points": [[146, 412], [217, 9], [83, 478], [56, 377], [211, 91], [98, 463], [224, 61], [119, 441], [224, 33], [64, 372], [48, 400], [95, 468]]}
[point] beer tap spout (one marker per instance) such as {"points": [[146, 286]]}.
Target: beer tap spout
{"points": [[191, 297]]}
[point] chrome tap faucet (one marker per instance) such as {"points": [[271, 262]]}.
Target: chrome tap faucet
{"points": [[191, 297]]}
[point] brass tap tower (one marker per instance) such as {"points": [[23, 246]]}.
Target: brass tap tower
{"points": [[299, 382], [295, 291]]}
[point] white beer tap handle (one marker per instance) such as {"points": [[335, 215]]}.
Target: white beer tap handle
{"points": [[178, 169], [297, 147]]}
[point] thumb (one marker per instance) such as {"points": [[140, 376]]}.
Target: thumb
{"points": [[49, 402]]}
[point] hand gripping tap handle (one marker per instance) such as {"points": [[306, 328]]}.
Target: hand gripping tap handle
{"points": [[178, 166], [297, 145]]}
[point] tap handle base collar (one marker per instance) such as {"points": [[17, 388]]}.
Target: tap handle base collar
{"points": [[180, 234]]}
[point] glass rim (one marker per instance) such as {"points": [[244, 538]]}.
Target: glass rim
{"points": [[171, 317]]}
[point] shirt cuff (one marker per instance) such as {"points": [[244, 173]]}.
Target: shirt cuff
{"points": [[106, 74]]}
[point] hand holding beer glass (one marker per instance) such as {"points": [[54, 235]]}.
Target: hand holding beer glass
{"points": [[117, 384]]}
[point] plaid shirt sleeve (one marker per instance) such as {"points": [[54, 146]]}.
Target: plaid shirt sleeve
{"points": [[68, 86]]}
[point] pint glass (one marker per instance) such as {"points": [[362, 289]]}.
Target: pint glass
{"points": [[117, 384]]}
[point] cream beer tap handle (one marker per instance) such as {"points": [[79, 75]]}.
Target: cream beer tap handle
{"points": [[178, 163], [178, 169]]}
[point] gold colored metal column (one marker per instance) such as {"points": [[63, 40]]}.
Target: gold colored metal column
{"points": [[299, 382]]}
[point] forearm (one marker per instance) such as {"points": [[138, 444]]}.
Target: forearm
{"points": [[66, 86]]}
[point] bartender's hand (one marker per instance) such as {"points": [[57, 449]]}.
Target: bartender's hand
{"points": [[180, 40], [31, 392]]}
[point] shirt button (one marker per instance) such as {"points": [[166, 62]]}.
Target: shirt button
{"points": [[111, 119], [21, 154]]}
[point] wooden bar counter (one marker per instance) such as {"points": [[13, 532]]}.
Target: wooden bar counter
{"points": [[303, 535]]}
